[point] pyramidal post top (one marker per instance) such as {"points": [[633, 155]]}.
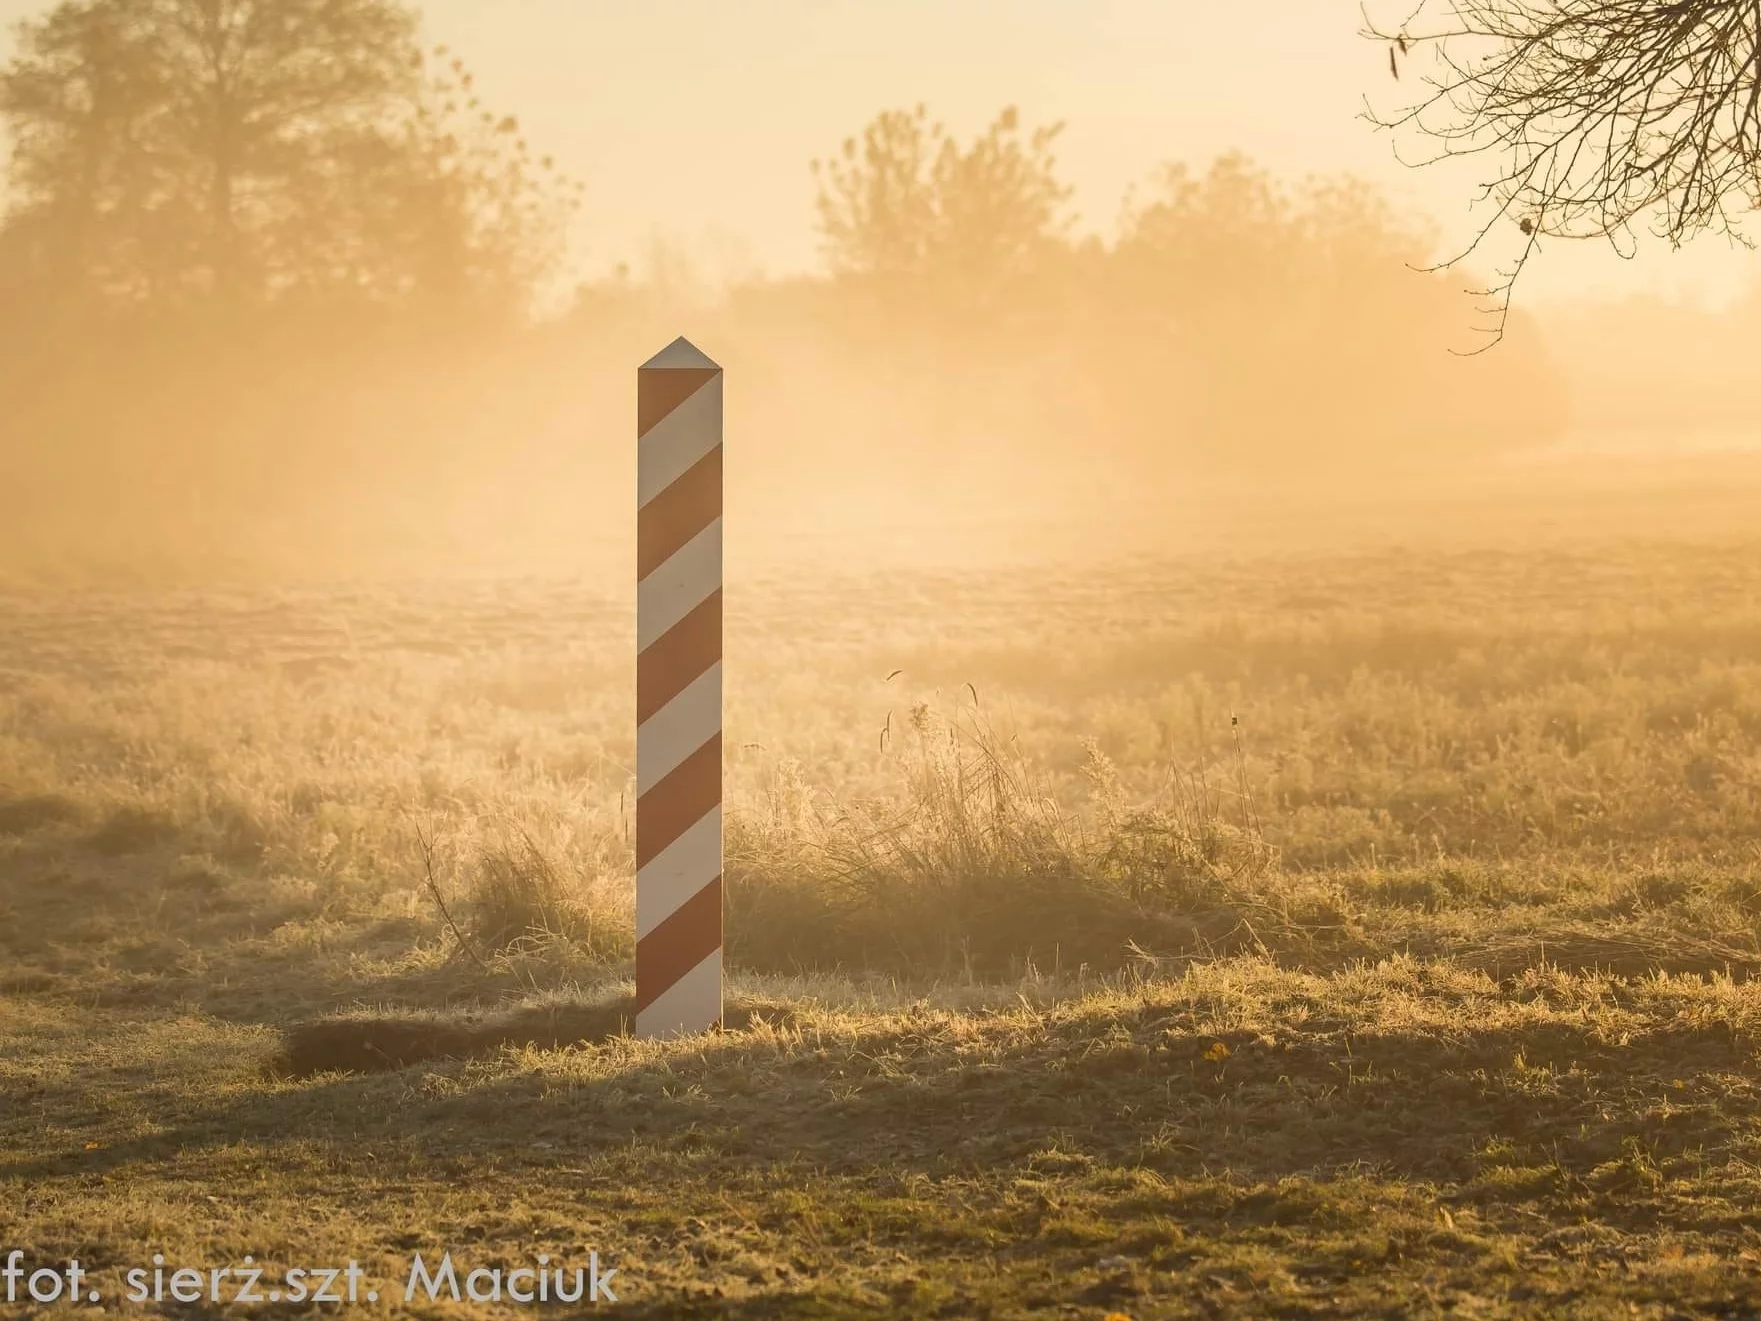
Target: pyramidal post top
{"points": [[681, 353]]}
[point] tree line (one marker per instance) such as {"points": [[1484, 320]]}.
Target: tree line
{"points": [[268, 271]]}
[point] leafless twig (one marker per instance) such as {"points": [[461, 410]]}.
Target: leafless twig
{"points": [[1600, 113]]}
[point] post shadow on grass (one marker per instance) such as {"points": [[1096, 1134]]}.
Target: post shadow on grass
{"points": [[1110, 1089]]}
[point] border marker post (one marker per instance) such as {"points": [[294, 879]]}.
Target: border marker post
{"points": [[678, 692]]}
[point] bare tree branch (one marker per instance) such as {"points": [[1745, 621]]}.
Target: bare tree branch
{"points": [[1600, 115]]}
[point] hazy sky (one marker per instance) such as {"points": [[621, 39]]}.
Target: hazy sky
{"points": [[696, 119]]}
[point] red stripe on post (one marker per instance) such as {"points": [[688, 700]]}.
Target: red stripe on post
{"points": [[679, 801], [679, 901], [659, 390], [677, 657], [677, 514], [679, 944]]}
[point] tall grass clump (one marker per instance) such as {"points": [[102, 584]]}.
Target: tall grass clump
{"points": [[975, 867], [523, 896]]}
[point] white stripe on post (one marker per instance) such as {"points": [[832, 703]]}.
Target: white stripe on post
{"points": [[678, 692], [677, 874], [673, 590], [679, 728], [683, 1001]]}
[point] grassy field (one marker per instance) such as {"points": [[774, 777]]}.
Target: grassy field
{"points": [[1309, 935]]}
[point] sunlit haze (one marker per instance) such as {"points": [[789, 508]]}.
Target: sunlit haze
{"points": [[692, 122], [983, 353], [869, 659]]}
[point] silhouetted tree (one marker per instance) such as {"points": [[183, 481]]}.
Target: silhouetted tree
{"points": [[255, 147], [1599, 113], [906, 201], [1265, 326], [230, 224]]}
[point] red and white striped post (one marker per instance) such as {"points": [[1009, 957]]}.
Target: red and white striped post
{"points": [[678, 692]]}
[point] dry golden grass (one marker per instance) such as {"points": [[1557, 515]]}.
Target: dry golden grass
{"points": [[1422, 983]]}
